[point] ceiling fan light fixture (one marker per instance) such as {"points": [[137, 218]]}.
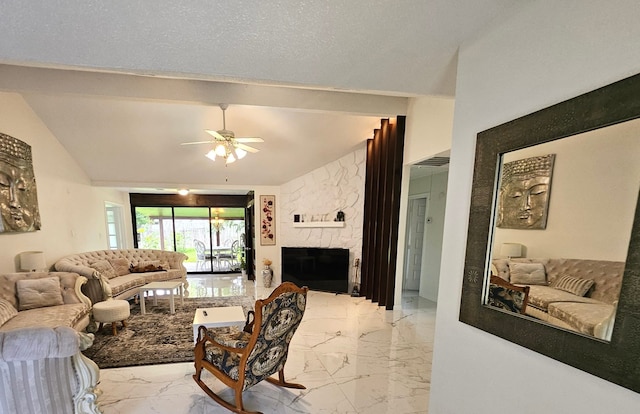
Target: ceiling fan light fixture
{"points": [[211, 155], [240, 153], [226, 145], [220, 150]]}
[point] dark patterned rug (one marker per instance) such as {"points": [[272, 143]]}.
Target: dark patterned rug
{"points": [[157, 337]]}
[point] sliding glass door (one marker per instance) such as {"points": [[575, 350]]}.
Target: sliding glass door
{"points": [[213, 238], [193, 237]]}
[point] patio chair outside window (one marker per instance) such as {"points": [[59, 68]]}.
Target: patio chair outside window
{"points": [[230, 257], [203, 260]]}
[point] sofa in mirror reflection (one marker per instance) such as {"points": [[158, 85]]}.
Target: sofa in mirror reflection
{"points": [[576, 294]]}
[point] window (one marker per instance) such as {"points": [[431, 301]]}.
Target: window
{"points": [[115, 228], [209, 228], [211, 237]]}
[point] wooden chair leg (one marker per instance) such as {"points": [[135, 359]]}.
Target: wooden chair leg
{"points": [[124, 324], [100, 326], [238, 408], [239, 404], [114, 331], [198, 373], [282, 383]]}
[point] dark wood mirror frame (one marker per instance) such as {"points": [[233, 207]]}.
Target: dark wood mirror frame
{"points": [[617, 361]]}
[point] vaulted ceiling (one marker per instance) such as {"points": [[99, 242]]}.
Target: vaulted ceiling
{"points": [[121, 85]]}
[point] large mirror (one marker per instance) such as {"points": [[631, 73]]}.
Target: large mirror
{"points": [[553, 260], [562, 225]]}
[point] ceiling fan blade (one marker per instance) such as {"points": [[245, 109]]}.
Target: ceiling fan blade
{"points": [[198, 142], [247, 148], [249, 139], [215, 134]]}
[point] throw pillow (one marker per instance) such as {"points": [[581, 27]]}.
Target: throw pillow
{"points": [[527, 273], [39, 293], [500, 268], [104, 268], [574, 285], [120, 266], [7, 311]]}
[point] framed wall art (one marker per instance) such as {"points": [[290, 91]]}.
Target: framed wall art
{"points": [[18, 196], [267, 220]]}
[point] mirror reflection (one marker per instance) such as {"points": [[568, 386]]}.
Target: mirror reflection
{"points": [[523, 196], [562, 225]]}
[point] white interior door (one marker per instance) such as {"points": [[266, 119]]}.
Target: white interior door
{"points": [[415, 243]]}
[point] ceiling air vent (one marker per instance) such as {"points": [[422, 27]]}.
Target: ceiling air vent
{"points": [[434, 162]]}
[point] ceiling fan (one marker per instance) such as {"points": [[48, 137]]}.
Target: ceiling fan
{"points": [[227, 145]]}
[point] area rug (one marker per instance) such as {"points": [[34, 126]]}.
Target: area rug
{"points": [[158, 337]]}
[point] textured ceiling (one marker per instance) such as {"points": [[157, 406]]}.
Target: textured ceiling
{"points": [[311, 78]]}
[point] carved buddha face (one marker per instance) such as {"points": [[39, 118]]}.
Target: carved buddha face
{"points": [[524, 193], [18, 200], [524, 203]]}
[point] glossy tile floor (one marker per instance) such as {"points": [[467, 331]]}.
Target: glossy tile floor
{"points": [[353, 357]]}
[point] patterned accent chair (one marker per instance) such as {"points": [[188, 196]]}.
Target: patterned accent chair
{"points": [[243, 359], [504, 295]]}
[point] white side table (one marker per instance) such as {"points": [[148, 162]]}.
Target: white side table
{"points": [[217, 317], [171, 286]]}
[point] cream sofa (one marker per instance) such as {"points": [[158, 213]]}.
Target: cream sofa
{"points": [[592, 313], [109, 271], [39, 299], [43, 371]]}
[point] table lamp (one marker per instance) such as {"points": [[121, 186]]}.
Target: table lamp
{"points": [[511, 250], [32, 261]]}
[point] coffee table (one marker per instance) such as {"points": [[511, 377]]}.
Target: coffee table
{"points": [[154, 287], [217, 317]]}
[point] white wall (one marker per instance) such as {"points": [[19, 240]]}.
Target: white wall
{"points": [[337, 186], [428, 133], [72, 212], [428, 129], [545, 53], [593, 196]]}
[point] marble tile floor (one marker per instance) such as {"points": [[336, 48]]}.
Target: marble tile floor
{"points": [[353, 357]]}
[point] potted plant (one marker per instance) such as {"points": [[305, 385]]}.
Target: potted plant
{"points": [[243, 265]]}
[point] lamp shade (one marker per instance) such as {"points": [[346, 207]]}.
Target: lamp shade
{"points": [[511, 249], [32, 261], [211, 155]]}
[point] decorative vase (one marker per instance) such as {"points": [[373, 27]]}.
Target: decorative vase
{"points": [[267, 276]]}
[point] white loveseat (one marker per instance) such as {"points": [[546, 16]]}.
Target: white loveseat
{"points": [[591, 313], [43, 371], [119, 273]]}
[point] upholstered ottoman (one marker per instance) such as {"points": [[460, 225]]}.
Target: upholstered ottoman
{"points": [[111, 311]]}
